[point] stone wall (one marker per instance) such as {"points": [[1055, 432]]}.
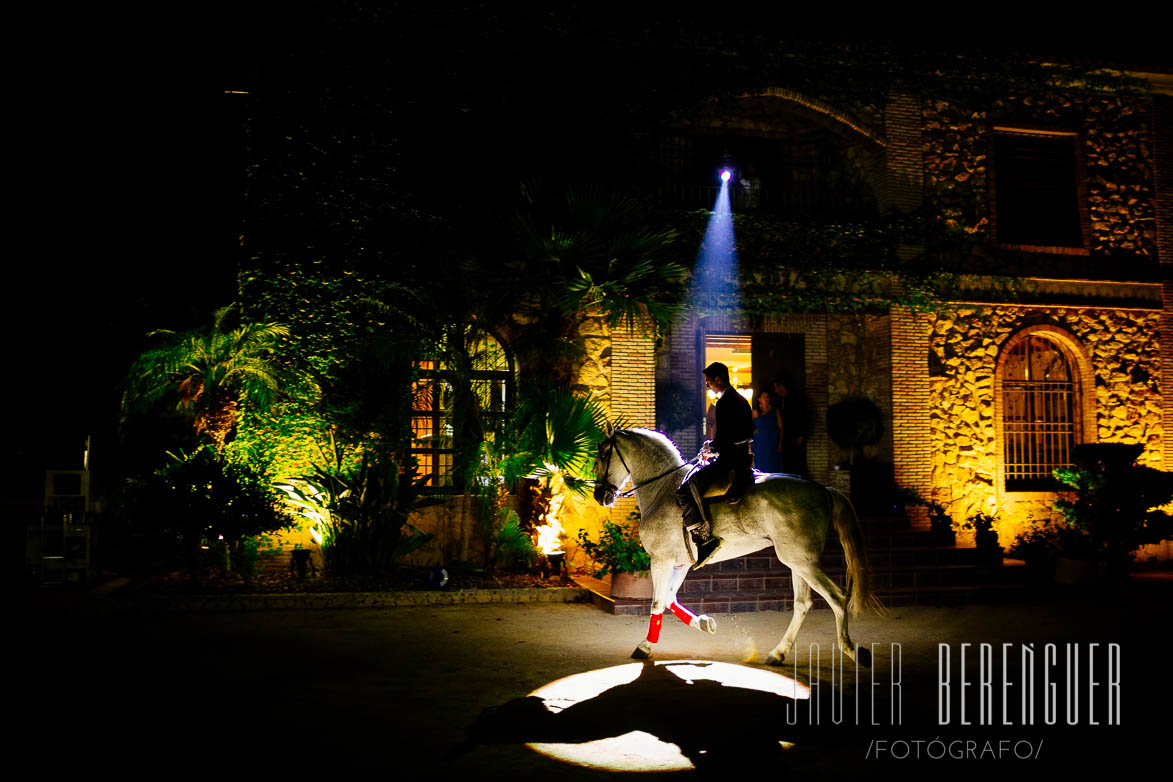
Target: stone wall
{"points": [[859, 363], [594, 344], [1117, 350], [1116, 150]]}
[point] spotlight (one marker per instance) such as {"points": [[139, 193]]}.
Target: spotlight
{"points": [[725, 175]]}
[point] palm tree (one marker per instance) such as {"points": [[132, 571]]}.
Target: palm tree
{"points": [[211, 372], [579, 249]]}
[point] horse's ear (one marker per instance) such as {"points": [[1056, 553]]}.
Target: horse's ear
{"points": [[608, 429]]}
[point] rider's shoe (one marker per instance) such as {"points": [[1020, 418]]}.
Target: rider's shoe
{"points": [[705, 551]]}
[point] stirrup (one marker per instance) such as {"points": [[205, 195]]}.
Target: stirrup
{"points": [[706, 550]]}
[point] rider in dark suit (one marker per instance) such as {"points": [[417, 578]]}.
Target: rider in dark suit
{"points": [[734, 431]]}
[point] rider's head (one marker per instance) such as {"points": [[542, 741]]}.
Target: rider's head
{"points": [[717, 372]]}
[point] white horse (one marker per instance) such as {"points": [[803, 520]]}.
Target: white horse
{"points": [[783, 511]]}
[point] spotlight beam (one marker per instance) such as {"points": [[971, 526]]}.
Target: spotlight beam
{"points": [[715, 282]]}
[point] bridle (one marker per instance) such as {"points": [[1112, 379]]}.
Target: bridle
{"points": [[613, 450]]}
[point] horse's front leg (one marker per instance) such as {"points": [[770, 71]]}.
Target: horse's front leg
{"points": [[661, 595], [703, 622]]}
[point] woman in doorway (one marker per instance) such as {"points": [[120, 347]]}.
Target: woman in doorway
{"points": [[767, 434]]}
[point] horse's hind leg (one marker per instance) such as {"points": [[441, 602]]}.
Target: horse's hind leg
{"points": [[802, 604], [662, 593], [822, 583]]}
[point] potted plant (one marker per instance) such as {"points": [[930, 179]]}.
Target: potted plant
{"points": [[1037, 545], [940, 522], [618, 552], [984, 536], [1056, 551]]}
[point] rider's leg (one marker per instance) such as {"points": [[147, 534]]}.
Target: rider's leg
{"points": [[742, 479], [707, 543]]}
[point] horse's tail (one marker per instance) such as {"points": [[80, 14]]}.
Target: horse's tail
{"points": [[859, 572]]}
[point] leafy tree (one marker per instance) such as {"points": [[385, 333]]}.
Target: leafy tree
{"points": [[200, 499], [853, 423]]}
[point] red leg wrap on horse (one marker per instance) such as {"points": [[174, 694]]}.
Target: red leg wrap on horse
{"points": [[682, 613], [654, 628]]}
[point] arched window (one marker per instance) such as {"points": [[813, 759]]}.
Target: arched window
{"points": [[487, 376], [1039, 409]]}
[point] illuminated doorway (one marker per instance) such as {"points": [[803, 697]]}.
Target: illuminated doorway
{"points": [[736, 352]]}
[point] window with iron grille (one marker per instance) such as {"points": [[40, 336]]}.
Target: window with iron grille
{"points": [[433, 407], [1038, 414]]}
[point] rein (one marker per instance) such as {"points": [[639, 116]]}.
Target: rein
{"points": [[614, 450]]}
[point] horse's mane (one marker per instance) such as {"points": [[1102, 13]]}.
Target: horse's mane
{"points": [[659, 440]]}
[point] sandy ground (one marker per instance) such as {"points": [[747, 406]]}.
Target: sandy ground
{"points": [[439, 690]]}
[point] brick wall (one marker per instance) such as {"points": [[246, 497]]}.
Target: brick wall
{"points": [[633, 387], [910, 399], [903, 188]]}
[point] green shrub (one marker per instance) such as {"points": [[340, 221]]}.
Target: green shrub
{"points": [[1115, 502], [618, 549], [362, 510], [202, 500], [513, 548]]}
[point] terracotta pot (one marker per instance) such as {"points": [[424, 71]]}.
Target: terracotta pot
{"points": [[631, 584]]}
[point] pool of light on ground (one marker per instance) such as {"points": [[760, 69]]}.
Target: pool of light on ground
{"points": [[638, 750]]}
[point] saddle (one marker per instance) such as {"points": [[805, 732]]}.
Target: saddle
{"points": [[719, 488]]}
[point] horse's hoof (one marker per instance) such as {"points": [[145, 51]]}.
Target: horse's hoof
{"points": [[707, 623], [863, 656], [642, 652], [776, 659]]}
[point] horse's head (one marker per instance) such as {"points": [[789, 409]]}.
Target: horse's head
{"points": [[611, 470]]}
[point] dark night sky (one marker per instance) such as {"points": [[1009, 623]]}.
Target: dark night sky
{"points": [[134, 157]]}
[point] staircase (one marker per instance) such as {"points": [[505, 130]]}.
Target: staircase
{"points": [[908, 568]]}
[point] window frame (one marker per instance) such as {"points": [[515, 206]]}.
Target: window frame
{"points": [[433, 375], [1080, 177], [441, 417]]}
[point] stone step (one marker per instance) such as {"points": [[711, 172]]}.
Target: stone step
{"points": [[926, 575], [783, 600], [760, 591], [908, 566], [879, 557]]}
